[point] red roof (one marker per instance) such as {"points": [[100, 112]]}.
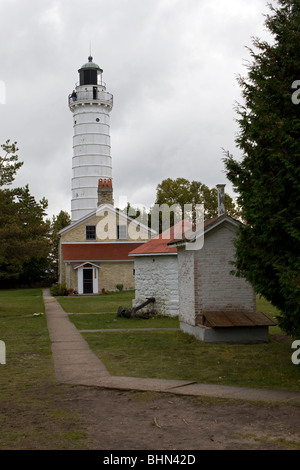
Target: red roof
{"points": [[159, 244], [98, 251]]}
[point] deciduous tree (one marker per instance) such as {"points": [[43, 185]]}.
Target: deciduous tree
{"points": [[182, 191]]}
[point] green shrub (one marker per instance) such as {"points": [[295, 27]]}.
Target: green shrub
{"points": [[119, 287], [59, 289]]}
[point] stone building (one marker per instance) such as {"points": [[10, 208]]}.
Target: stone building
{"points": [[94, 250], [156, 273], [215, 305], [194, 281]]}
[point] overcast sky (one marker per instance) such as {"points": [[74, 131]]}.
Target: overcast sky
{"points": [[171, 66]]}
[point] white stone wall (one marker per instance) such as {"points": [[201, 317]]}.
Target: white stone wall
{"points": [[205, 282], [157, 277], [186, 285], [218, 289]]}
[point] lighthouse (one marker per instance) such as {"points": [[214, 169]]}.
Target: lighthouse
{"points": [[90, 105]]}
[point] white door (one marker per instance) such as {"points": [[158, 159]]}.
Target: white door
{"points": [[82, 281]]}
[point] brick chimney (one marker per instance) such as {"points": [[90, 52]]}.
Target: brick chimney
{"points": [[221, 199], [105, 192]]}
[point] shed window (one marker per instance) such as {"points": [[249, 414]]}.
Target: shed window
{"points": [[90, 232]]}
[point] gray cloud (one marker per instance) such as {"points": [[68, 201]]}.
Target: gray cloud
{"points": [[170, 64]]}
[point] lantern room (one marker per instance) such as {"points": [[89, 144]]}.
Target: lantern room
{"points": [[90, 73]]}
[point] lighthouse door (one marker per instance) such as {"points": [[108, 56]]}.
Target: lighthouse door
{"points": [[88, 280]]}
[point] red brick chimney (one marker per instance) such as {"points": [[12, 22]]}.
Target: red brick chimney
{"points": [[105, 191]]}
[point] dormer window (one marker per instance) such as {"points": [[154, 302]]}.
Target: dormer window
{"points": [[90, 232]]}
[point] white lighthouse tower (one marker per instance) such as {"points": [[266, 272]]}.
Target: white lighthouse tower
{"points": [[90, 104]]}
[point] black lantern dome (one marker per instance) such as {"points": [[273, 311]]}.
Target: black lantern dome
{"points": [[88, 73]]}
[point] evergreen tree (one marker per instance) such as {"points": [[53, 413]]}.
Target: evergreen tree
{"points": [[267, 176], [9, 163], [24, 233], [58, 222]]}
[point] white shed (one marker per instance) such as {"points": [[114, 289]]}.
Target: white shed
{"points": [[215, 305], [156, 272]]}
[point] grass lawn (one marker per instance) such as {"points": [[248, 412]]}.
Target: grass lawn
{"points": [[111, 321], [33, 414], [94, 304], [30, 413], [175, 355]]}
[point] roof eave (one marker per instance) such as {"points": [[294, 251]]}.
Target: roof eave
{"points": [[210, 226], [111, 209], [172, 253]]}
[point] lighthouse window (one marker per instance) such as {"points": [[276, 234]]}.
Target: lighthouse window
{"points": [[97, 119], [88, 77], [90, 232]]}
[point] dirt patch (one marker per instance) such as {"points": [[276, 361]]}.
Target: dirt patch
{"points": [[117, 420], [282, 338]]}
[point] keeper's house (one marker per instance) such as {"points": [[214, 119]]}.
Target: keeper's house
{"points": [[94, 251]]}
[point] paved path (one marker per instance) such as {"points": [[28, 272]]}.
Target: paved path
{"points": [[75, 363]]}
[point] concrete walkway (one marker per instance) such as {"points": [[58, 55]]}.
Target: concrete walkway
{"points": [[75, 363]]}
